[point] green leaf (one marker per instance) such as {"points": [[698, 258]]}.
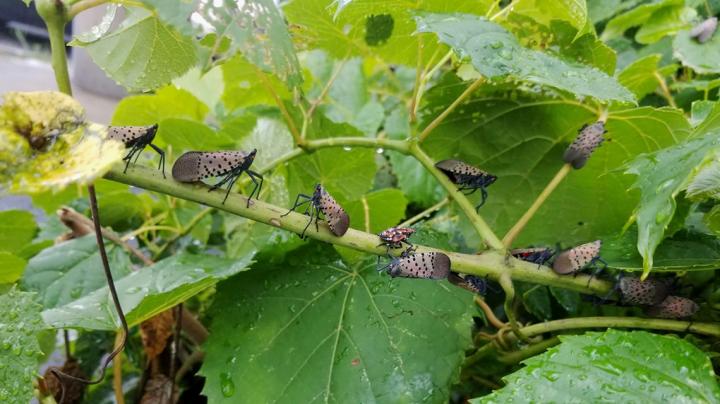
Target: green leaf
{"points": [[257, 30], [184, 135], [535, 132], [377, 210], [167, 102], [143, 54], [45, 144], [97, 31], [207, 87], [636, 17], [346, 174], [413, 179], [344, 333], [372, 29], [568, 299], [601, 10], [495, 53], [706, 183], [626, 366], [11, 267], [174, 13], [536, 300], [683, 252], [711, 120], [20, 323], [700, 111], [245, 87], [545, 11], [643, 75], [663, 22], [70, 270], [660, 177], [146, 293], [17, 228], [703, 58]]}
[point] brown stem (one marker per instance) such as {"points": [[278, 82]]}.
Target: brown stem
{"points": [[492, 319], [117, 372]]}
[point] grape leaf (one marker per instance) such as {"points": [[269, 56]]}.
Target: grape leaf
{"points": [[11, 267], [143, 54], [257, 30], [626, 366], [636, 17], [535, 132], [660, 177], [207, 87], [167, 102], [373, 29], [643, 75], [703, 58], [345, 333], [495, 53], [46, 145], [146, 293], [20, 324], [663, 22], [17, 228], [544, 11], [70, 270], [601, 10], [244, 85], [706, 183]]}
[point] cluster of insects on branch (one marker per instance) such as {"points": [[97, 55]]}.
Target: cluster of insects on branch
{"points": [[195, 166]]}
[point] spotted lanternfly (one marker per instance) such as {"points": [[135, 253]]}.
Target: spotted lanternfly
{"points": [[197, 165], [430, 265], [137, 138], [705, 30], [588, 139], [648, 292], [394, 237], [673, 307], [469, 282], [585, 255], [321, 202], [468, 177], [537, 255]]}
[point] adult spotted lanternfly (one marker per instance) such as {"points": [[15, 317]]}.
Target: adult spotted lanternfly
{"points": [[137, 138], [588, 139], [573, 260], [673, 307], [469, 282], [321, 202], [648, 292], [705, 30], [196, 165], [430, 265], [538, 255], [468, 177]]}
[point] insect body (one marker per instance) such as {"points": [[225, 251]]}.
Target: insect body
{"points": [[394, 237], [585, 255], [430, 265], [705, 30], [588, 139], [673, 307], [321, 202], [538, 255], [469, 282], [137, 138], [468, 177], [648, 292], [197, 165]]}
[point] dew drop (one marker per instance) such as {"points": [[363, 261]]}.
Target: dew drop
{"points": [[226, 384]]}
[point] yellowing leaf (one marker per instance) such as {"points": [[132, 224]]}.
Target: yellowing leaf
{"points": [[45, 143]]}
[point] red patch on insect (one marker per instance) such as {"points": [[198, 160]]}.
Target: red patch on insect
{"points": [[396, 234]]}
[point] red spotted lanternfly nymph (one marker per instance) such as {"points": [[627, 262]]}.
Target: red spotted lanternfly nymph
{"points": [[536, 255], [430, 265], [321, 202], [137, 138], [197, 165], [468, 177]]}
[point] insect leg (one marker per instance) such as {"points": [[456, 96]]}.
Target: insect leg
{"points": [[161, 164], [302, 235], [483, 199], [254, 176], [298, 203], [232, 182]]}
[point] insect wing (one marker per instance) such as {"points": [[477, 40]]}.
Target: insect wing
{"points": [[422, 265]]}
